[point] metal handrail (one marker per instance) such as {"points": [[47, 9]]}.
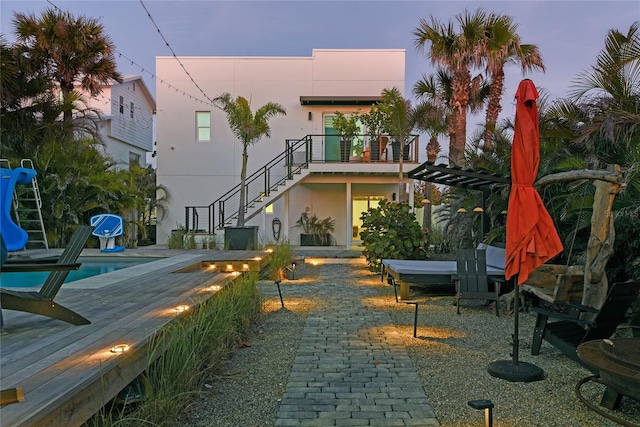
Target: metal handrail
{"points": [[224, 210]]}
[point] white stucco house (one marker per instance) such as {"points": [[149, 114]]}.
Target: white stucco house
{"points": [[126, 125], [300, 167]]}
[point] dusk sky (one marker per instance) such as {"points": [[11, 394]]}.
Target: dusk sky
{"points": [[569, 33]]}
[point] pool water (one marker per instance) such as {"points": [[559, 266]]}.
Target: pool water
{"points": [[91, 266]]}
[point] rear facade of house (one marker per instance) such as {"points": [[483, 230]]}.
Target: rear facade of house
{"points": [[299, 168]]}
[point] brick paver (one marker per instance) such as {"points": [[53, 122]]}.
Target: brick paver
{"points": [[347, 372]]}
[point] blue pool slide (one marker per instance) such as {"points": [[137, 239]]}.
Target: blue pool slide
{"points": [[15, 238]]}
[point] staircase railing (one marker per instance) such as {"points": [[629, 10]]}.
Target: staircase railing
{"points": [[224, 211], [260, 185]]}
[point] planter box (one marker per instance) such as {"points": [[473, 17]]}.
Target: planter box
{"points": [[395, 147], [345, 150], [313, 240], [241, 238]]}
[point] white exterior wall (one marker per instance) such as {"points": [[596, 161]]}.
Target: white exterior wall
{"points": [[197, 173]]}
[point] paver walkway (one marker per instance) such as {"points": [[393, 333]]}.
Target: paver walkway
{"points": [[351, 368]]}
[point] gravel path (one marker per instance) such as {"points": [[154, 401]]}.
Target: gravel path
{"points": [[450, 355]]}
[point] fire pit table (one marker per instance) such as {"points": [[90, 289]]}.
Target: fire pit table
{"points": [[618, 361]]}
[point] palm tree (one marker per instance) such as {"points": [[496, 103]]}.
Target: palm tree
{"points": [[458, 53], [67, 50], [431, 118], [249, 128], [401, 122], [436, 90], [501, 47]]}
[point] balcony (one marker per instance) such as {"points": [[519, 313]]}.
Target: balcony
{"points": [[318, 154]]}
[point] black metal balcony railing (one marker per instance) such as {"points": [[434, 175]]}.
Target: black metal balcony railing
{"points": [[296, 157]]}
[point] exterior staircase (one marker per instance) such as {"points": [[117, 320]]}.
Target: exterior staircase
{"points": [[280, 175], [263, 187]]}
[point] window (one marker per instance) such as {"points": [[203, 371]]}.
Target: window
{"points": [[134, 159], [121, 105], [269, 209], [131, 110], [203, 125]]}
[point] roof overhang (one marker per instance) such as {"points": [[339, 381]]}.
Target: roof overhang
{"points": [[339, 100], [458, 177]]}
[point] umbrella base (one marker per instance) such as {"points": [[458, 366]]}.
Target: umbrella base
{"points": [[520, 372]]}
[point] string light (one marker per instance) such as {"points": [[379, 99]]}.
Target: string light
{"points": [[153, 76], [174, 54]]}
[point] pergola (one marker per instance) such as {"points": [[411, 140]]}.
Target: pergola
{"points": [[478, 180]]}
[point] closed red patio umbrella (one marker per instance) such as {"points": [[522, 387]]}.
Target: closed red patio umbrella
{"points": [[532, 238]]}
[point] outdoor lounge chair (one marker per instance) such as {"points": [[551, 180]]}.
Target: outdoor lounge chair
{"points": [[425, 272], [569, 331], [41, 302], [472, 281]]}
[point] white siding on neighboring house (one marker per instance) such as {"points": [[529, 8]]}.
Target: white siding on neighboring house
{"points": [[126, 132]]}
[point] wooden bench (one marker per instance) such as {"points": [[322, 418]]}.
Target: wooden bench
{"points": [[553, 283]]}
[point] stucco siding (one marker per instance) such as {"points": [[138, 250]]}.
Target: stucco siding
{"points": [[197, 172]]}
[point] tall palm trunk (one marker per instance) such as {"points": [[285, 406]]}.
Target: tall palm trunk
{"points": [[494, 107], [433, 148], [243, 191], [460, 87]]}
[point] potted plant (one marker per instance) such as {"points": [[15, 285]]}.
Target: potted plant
{"points": [[315, 231], [346, 128], [377, 123], [357, 149], [248, 128]]}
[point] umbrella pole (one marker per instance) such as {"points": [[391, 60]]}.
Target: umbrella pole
{"points": [[512, 370], [516, 321]]}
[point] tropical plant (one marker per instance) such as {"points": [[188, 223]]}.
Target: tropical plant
{"points": [[390, 230], [502, 46], [602, 113], [151, 200], [67, 50], [318, 229], [401, 123], [376, 122], [248, 127], [458, 53], [345, 126]]}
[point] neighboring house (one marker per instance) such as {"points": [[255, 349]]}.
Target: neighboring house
{"points": [[126, 127], [299, 167]]}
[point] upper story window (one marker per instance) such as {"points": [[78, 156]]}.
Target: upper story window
{"points": [[121, 105], [203, 125], [131, 109]]}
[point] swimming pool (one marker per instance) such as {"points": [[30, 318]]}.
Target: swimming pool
{"points": [[91, 266]]}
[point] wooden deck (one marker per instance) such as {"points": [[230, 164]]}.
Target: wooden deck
{"points": [[68, 372]]}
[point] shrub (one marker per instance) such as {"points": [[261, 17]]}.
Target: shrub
{"points": [[188, 353], [281, 258], [391, 232]]}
